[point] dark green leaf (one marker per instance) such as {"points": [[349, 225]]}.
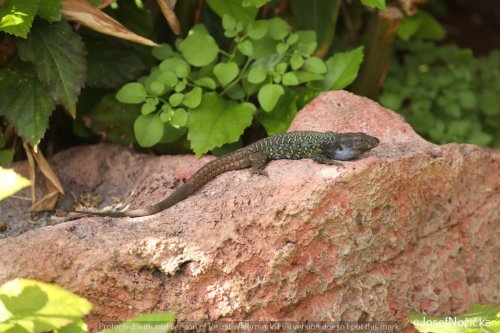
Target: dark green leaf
{"points": [[50, 10], [429, 28], [199, 48], [114, 121], [24, 101], [342, 69], [132, 93], [269, 95], [489, 103], [111, 64], [6, 156], [217, 122], [58, 56], [16, 16], [148, 130]]}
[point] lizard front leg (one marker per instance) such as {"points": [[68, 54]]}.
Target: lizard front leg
{"points": [[259, 160], [320, 158]]}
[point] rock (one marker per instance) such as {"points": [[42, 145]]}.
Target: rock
{"points": [[410, 226]]}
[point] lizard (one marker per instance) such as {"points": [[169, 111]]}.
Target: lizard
{"points": [[322, 147]]}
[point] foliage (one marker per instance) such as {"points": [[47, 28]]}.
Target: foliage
{"points": [[446, 93], [479, 319], [11, 182], [16, 16], [29, 306], [214, 93]]}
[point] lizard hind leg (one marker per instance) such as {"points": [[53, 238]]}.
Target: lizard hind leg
{"points": [[259, 160]]}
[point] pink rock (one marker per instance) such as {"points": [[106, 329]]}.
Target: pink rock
{"points": [[410, 226]]}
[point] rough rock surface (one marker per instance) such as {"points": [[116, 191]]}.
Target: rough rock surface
{"points": [[410, 226]]}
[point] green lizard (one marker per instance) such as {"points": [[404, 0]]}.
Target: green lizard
{"points": [[324, 148]]}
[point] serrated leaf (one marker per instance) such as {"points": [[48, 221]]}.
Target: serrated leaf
{"points": [[24, 101], [199, 48], [47, 306], [16, 16], [279, 119], [233, 8], [226, 72], [380, 4], [269, 95], [193, 98], [257, 29], [58, 55], [132, 93], [11, 183], [148, 130], [217, 122], [342, 69], [278, 28], [50, 10]]}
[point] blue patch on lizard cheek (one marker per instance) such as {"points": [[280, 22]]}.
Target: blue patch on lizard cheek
{"points": [[345, 154]]}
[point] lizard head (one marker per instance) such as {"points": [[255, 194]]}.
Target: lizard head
{"points": [[347, 146]]}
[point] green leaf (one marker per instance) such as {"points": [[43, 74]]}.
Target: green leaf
{"points": [[467, 100], [58, 56], [315, 65], [179, 118], [409, 26], [16, 16], [236, 92], [24, 101], [11, 183], [157, 87], [269, 95], [318, 15], [193, 98], [304, 77], [217, 122], [278, 28], [246, 48], [6, 156], [226, 72], [148, 130], [148, 323], [233, 8], [168, 78], [479, 138], [50, 10], [103, 119], [228, 23], [258, 29], [199, 48], [296, 61], [307, 42], [132, 93], [429, 27], [489, 103], [281, 48], [206, 82], [42, 306], [176, 99], [147, 108], [177, 66], [162, 52], [257, 75], [380, 4], [342, 69], [254, 3], [111, 64], [279, 119], [290, 79]]}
